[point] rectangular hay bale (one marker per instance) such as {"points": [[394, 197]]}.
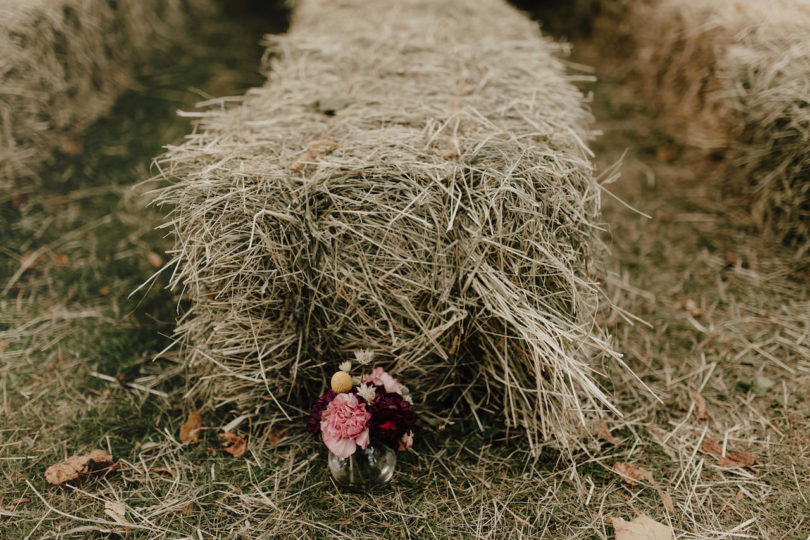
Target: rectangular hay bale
{"points": [[64, 62], [411, 181], [734, 76]]}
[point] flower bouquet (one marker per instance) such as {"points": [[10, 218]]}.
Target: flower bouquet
{"points": [[362, 421]]}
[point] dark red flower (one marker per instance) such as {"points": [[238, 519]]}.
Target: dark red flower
{"points": [[314, 420], [391, 417]]}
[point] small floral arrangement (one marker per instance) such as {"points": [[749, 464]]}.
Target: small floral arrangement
{"points": [[355, 410]]}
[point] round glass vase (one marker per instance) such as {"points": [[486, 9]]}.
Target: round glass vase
{"points": [[366, 469]]}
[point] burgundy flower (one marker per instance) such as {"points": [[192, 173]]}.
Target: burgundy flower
{"points": [[314, 420], [391, 416]]}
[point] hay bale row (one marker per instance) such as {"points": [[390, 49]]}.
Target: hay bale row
{"points": [[63, 63], [412, 181], [730, 76]]}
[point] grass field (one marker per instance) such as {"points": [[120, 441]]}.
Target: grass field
{"points": [[725, 317]]}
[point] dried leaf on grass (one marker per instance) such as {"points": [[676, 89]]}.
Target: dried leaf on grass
{"points": [[733, 460], [602, 431], [276, 435], [641, 528], [154, 260], [700, 406], [118, 512], [190, 431], [633, 475], [233, 443], [78, 466]]}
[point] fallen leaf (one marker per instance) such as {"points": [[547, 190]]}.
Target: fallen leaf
{"points": [[78, 466], [700, 406], [729, 461], [276, 435], [118, 512], [737, 460], [632, 474], [602, 431], [104, 291], [154, 260], [21, 500], [19, 199], [710, 446], [234, 444], [61, 259], [304, 159], [71, 147], [641, 528], [666, 499], [190, 431], [163, 470], [322, 145], [666, 155]]}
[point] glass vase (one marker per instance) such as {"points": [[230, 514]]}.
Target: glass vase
{"points": [[365, 469]]}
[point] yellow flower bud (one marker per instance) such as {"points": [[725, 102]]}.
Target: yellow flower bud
{"points": [[341, 382]]}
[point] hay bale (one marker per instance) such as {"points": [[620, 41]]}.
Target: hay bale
{"points": [[732, 76], [412, 181], [63, 63]]}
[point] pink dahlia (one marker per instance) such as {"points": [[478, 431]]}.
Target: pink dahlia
{"points": [[379, 377], [344, 425]]}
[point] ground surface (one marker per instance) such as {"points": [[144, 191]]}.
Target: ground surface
{"points": [[725, 319]]}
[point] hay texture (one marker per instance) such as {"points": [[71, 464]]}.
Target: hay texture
{"points": [[63, 63], [412, 181], [731, 75]]}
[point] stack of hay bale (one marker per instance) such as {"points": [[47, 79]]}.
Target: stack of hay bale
{"points": [[730, 75], [412, 181], [63, 63]]}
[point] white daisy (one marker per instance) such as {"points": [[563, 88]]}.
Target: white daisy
{"points": [[364, 357], [367, 392]]}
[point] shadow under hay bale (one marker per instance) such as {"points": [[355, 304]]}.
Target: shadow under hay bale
{"points": [[64, 63], [730, 77], [411, 181]]}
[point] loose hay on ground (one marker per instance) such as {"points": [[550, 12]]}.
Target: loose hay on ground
{"points": [[412, 181], [729, 76], [63, 63]]}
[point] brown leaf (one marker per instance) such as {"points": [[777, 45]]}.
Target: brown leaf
{"points": [[666, 155], [641, 528], [234, 443], [276, 435], [632, 474], [737, 460], [154, 260], [61, 259], [602, 431], [700, 406], [163, 470], [304, 159], [19, 199], [117, 510], [710, 446], [78, 466], [190, 431], [730, 461]]}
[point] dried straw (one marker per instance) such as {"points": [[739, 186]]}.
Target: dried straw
{"points": [[63, 63], [730, 75], [412, 181]]}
